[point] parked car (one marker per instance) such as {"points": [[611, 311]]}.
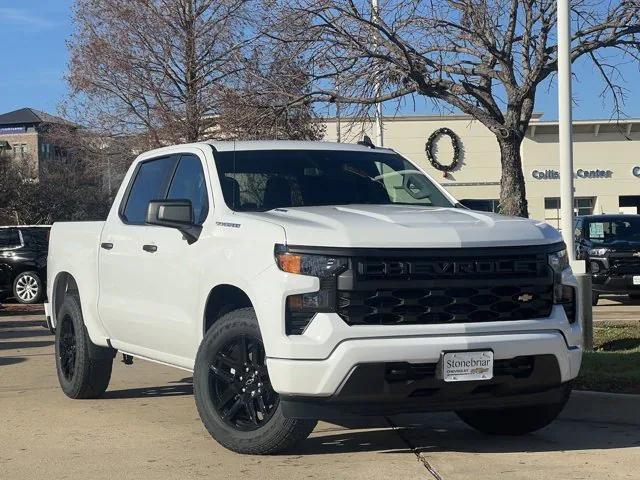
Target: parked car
{"points": [[610, 244], [23, 262], [306, 280]]}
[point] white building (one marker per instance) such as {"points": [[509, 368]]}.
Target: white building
{"points": [[606, 160]]}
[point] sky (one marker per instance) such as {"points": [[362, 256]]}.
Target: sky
{"points": [[33, 59]]}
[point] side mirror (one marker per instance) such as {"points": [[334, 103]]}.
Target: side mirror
{"points": [[176, 214]]}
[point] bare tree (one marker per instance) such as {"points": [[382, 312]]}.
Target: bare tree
{"points": [[485, 58], [156, 67], [260, 104], [60, 192]]}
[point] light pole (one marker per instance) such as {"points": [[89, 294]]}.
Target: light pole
{"points": [[564, 125], [378, 119], [565, 143]]}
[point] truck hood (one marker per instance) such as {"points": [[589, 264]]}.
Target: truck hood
{"points": [[401, 226]]}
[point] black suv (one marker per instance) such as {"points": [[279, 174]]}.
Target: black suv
{"points": [[611, 246], [23, 263]]}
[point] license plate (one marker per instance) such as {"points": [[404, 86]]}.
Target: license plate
{"points": [[467, 366], [636, 280]]}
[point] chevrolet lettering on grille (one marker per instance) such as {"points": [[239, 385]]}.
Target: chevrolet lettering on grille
{"points": [[436, 268]]}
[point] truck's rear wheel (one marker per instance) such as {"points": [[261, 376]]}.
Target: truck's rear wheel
{"points": [[233, 393], [80, 376], [513, 421]]}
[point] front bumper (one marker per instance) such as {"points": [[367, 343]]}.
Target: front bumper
{"points": [[615, 283], [388, 389], [323, 378]]}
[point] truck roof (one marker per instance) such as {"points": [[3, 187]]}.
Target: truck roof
{"points": [[226, 145], [244, 145]]}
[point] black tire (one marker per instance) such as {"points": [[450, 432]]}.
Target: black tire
{"points": [[595, 296], [80, 376], [634, 296], [218, 381], [513, 421], [28, 288]]}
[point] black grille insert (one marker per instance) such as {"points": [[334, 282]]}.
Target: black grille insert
{"points": [[625, 265], [445, 305]]}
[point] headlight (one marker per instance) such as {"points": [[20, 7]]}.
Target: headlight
{"points": [[559, 261], [301, 308], [320, 266], [598, 252]]}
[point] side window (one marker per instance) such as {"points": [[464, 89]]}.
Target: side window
{"points": [[149, 184], [9, 238], [189, 184]]}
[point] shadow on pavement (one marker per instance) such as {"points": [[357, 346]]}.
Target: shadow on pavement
{"points": [[149, 392], [5, 334], [27, 344], [445, 433], [11, 360], [22, 324]]}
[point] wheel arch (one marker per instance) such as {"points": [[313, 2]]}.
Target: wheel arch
{"points": [[63, 283], [222, 299]]}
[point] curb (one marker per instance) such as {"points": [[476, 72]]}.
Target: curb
{"points": [[603, 407]]}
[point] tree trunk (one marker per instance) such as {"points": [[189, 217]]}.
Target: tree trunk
{"points": [[513, 199]]}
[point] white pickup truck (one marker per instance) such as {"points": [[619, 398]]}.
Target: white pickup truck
{"points": [[305, 280]]}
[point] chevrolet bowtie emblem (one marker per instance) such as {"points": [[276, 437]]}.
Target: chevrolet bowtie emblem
{"points": [[525, 297]]}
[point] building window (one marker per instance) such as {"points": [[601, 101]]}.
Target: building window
{"points": [[581, 206], [482, 205]]}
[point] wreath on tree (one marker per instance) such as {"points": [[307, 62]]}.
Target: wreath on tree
{"points": [[457, 149]]}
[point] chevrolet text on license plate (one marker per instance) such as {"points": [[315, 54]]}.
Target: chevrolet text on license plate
{"points": [[466, 366]]}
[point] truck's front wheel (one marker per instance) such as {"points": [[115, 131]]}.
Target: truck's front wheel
{"points": [[80, 375], [514, 421], [234, 396]]}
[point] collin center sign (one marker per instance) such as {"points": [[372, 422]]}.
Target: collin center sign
{"points": [[580, 173]]}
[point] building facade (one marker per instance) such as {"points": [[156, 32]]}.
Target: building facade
{"points": [[606, 160], [23, 137]]}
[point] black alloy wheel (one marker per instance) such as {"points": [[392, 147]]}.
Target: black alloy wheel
{"points": [[67, 348], [239, 384]]}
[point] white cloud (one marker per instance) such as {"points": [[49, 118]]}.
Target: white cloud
{"points": [[22, 17]]}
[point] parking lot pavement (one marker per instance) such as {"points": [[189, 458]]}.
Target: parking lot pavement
{"points": [[616, 308], [146, 426]]}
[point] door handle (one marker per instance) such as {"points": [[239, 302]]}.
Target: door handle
{"points": [[149, 248], [106, 245]]}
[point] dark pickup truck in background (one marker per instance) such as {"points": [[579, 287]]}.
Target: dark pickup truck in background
{"points": [[610, 244], [23, 262]]}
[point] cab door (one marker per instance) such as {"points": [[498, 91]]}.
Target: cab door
{"points": [[125, 300], [174, 269]]}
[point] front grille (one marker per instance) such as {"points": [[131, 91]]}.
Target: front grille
{"points": [[409, 306], [625, 265]]}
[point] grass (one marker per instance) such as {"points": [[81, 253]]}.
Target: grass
{"points": [[614, 365]]}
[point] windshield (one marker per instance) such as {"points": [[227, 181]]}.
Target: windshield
{"points": [[610, 230], [263, 180]]}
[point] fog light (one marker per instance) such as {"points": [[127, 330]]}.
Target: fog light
{"points": [[303, 307], [566, 296], [595, 267]]}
